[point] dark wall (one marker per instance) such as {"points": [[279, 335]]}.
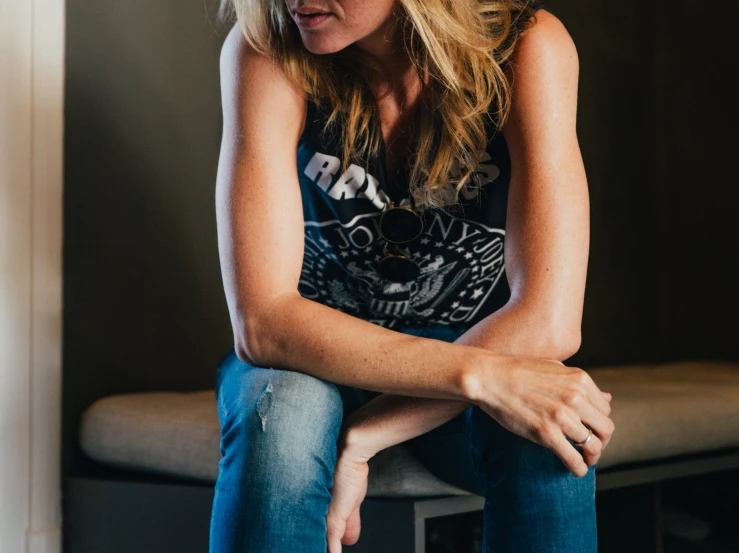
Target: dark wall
{"points": [[698, 186], [618, 131], [144, 303], [658, 131]]}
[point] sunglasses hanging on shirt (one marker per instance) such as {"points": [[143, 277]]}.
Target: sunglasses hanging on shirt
{"points": [[399, 225]]}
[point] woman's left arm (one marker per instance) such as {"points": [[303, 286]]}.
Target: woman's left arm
{"points": [[546, 240], [546, 253]]}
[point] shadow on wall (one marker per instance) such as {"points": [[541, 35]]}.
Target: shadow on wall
{"points": [[144, 303]]}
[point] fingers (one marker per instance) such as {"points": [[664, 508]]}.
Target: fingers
{"points": [[603, 427], [591, 451], [593, 393], [340, 531], [578, 419], [334, 542], [571, 457], [343, 523], [335, 527], [353, 527], [571, 420]]}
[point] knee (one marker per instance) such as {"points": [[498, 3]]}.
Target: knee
{"points": [[505, 454], [279, 417]]}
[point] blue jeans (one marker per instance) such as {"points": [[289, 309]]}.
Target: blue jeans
{"points": [[279, 430]]}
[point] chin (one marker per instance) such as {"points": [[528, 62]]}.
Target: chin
{"points": [[323, 45]]}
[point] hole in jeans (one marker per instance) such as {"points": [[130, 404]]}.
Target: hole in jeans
{"points": [[263, 403]]}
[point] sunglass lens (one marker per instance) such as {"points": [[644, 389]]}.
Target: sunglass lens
{"points": [[400, 225], [398, 269]]}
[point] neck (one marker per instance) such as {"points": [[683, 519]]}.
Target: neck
{"points": [[385, 47]]}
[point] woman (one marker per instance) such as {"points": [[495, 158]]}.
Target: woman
{"points": [[373, 154]]}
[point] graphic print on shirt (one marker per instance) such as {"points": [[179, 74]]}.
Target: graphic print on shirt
{"points": [[461, 260]]}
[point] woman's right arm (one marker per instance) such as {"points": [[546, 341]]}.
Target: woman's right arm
{"points": [[261, 238]]}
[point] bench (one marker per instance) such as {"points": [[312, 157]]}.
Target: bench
{"points": [[673, 419]]}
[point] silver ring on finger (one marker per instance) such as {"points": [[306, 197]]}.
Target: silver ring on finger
{"points": [[586, 440]]}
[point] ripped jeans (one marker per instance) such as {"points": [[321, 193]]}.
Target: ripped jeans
{"points": [[279, 430]]}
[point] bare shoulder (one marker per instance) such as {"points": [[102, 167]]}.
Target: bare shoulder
{"points": [[544, 73], [255, 88], [546, 46], [237, 55]]}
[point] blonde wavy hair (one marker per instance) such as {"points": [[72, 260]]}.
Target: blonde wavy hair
{"points": [[462, 45]]}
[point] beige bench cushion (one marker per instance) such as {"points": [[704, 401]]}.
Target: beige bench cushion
{"points": [[670, 409], [659, 411], [178, 434]]}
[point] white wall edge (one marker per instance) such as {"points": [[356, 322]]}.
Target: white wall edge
{"points": [[31, 172], [45, 542], [46, 314]]}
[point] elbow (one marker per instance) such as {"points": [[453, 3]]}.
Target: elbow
{"points": [[564, 344], [245, 354], [248, 345], [256, 343]]}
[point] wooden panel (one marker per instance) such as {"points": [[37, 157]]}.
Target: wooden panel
{"points": [[629, 519], [121, 517], [108, 516], [698, 186], [617, 133]]}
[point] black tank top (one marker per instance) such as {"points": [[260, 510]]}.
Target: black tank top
{"points": [[460, 251]]}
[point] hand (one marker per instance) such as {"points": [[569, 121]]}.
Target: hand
{"points": [[545, 401], [348, 491]]}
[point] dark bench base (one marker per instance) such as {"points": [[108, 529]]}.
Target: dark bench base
{"points": [[118, 516]]}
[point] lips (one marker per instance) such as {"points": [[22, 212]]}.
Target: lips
{"points": [[311, 11], [311, 18]]}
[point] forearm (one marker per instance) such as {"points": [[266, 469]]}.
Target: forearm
{"points": [[303, 335], [391, 419]]}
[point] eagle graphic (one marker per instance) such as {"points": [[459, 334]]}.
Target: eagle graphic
{"points": [[419, 297]]}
